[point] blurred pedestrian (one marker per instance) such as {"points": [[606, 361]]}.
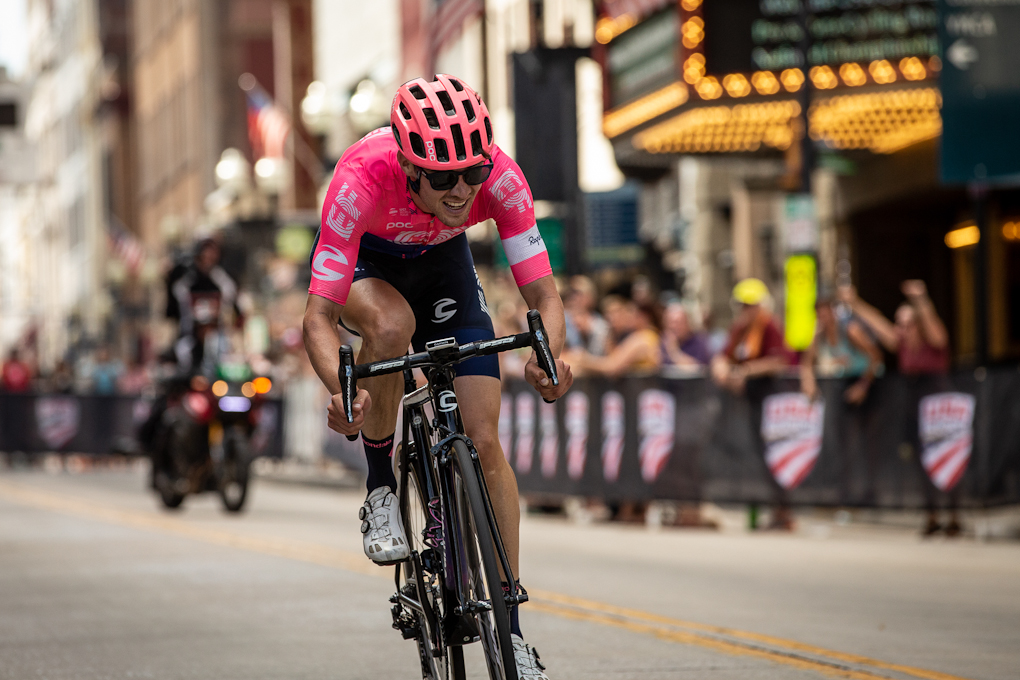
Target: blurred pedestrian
{"points": [[841, 349], [16, 374], [586, 329], [681, 344], [754, 347], [919, 339], [637, 349]]}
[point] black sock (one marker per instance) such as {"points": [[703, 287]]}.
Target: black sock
{"points": [[515, 616], [380, 463]]}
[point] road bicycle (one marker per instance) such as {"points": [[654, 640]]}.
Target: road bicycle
{"points": [[449, 591]]}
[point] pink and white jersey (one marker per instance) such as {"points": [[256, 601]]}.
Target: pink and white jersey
{"points": [[368, 195]]}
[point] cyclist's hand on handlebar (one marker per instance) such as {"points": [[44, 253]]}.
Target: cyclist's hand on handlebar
{"points": [[540, 381], [338, 419]]}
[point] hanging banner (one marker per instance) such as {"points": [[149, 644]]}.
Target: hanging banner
{"points": [[612, 435], [791, 426], [550, 444], [946, 429], [577, 433], [525, 431]]}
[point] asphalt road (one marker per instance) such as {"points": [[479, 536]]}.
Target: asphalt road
{"points": [[97, 582]]}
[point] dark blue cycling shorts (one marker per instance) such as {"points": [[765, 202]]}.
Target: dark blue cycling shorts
{"points": [[444, 293]]}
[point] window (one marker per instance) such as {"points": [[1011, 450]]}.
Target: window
{"points": [[8, 114]]}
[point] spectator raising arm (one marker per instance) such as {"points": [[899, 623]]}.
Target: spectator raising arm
{"points": [[884, 330], [932, 329]]}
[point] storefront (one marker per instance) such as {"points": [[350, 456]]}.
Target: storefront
{"points": [[714, 95]]}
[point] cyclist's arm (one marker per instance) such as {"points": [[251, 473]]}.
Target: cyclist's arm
{"points": [[322, 342], [541, 294]]}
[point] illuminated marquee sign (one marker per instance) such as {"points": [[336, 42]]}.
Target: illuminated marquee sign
{"points": [[646, 57]]}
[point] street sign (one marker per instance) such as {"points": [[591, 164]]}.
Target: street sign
{"points": [[800, 224], [980, 84]]}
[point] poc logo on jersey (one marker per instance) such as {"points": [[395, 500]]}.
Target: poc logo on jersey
{"points": [[447, 401], [442, 314], [431, 148], [398, 225]]}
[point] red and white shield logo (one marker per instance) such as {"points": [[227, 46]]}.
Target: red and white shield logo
{"points": [[549, 448], [612, 435], [656, 425], [577, 433], [525, 431], [945, 422], [791, 425], [57, 419]]}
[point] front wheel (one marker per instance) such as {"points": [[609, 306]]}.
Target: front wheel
{"points": [[235, 470], [482, 565]]}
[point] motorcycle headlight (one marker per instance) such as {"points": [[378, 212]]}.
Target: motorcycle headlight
{"points": [[235, 404]]}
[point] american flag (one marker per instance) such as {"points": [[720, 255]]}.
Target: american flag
{"points": [[124, 245], [268, 125], [449, 18]]}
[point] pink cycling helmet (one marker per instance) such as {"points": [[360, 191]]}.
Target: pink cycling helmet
{"points": [[442, 125]]}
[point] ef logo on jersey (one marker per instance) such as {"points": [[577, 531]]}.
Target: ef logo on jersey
{"points": [[442, 313]]}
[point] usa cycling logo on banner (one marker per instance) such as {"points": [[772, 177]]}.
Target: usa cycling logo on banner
{"points": [[791, 425], [57, 419], [656, 426], [576, 423], [612, 435], [550, 444], [945, 422], [525, 432]]}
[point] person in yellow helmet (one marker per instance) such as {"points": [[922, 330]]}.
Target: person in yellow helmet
{"points": [[755, 346]]}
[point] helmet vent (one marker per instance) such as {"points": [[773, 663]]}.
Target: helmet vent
{"points": [[417, 145], [456, 85], [488, 129], [404, 112], [430, 116], [396, 135], [444, 98], [416, 91], [469, 110], [442, 152], [458, 142], [476, 144]]}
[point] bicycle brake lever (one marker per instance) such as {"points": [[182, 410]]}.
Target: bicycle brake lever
{"points": [[540, 343], [348, 384]]}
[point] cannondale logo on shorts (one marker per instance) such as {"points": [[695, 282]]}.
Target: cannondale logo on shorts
{"points": [[444, 310]]}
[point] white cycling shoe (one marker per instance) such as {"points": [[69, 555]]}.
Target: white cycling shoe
{"points": [[385, 542], [529, 666]]}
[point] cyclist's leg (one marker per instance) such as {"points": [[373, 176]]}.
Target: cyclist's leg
{"points": [[478, 396], [385, 322]]}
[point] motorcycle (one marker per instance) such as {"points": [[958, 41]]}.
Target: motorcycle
{"points": [[203, 438]]}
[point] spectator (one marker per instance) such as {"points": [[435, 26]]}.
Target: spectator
{"points": [[16, 375], [586, 330], [754, 347], [754, 351], [921, 344], [105, 372], [841, 350], [681, 345], [637, 348]]}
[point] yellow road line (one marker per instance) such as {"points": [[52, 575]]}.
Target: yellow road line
{"points": [[564, 606]]}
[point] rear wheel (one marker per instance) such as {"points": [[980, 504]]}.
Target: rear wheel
{"points": [[482, 570], [170, 473]]}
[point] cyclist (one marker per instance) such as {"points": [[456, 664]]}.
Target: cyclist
{"points": [[391, 263]]}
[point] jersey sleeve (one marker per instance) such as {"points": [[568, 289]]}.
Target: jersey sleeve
{"points": [[511, 206], [345, 216]]}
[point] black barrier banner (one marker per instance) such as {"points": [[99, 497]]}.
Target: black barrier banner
{"points": [[686, 439], [100, 424]]}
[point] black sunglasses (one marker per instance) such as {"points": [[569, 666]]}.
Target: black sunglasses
{"points": [[444, 180]]}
